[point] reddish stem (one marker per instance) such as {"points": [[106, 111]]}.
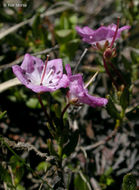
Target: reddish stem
{"points": [[115, 34], [64, 110], [108, 72], [118, 73]]}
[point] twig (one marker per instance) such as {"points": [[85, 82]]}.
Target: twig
{"points": [[46, 51], [84, 152], [8, 84], [91, 80], [85, 180], [44, 178], [12, 176], [94, 145], [5, 186], [27, 147], [40, 186], [47, 13], [14, 28], [102, 142], [94, 184], [82, 56], [17, 61], [2, 139]]}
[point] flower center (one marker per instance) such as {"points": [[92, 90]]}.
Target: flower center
{"points": [[44, 70]]}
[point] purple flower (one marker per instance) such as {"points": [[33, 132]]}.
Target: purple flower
{"points": [[79, 94], [39, 76], [101, 35]]}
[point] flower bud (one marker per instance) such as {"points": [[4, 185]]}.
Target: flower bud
{"points": [[107, 54]]}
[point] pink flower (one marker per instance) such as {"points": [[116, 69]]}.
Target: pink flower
{"points": [[39, 76], [78, 93], [101, 35]]}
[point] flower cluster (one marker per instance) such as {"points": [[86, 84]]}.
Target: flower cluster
{"points": [[48, 77]]}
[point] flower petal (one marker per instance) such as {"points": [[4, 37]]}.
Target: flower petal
{"points": [[77, 90], [100, 35], [31, 71], [68, 69], [56, 69]]}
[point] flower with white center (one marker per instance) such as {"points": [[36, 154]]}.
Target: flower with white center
{"points": [[39, 76]]}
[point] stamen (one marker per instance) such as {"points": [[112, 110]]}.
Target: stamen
{"points": [[44, 70], [48, 75], [91, 80], [115, 34]]}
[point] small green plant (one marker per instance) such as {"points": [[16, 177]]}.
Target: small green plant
{"points": [[129, 182]]}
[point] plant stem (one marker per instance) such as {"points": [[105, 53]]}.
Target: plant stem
{"points": [[118, 73], [64, 110], [60, 150], [108, 72], [61, 172], [51, 127], [82, 56], [115, 34]]}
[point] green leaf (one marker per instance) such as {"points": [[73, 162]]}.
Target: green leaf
{"points": [[16, 40], [79, 183], [111, 109], [124, 98], [44, 36], [4, 17], [56, 109], [63, 33], [20, 187], [4, 175], [135, 57], [129, 182], [43, 166], [2, 114], [51, 147], [64, 21], [71, 47], [73, 19], [36, 25], [127, 63], [73, 140], [106, 179], [17, 168], [32, 103]]}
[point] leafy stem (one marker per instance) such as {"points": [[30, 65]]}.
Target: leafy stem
{"points": [[51, 127], [108, 72]]}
